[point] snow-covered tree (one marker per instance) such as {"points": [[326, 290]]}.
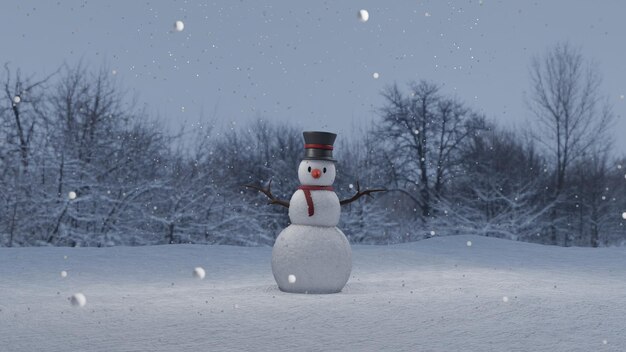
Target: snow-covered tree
{"points": [[500, 191], [572, 114]]}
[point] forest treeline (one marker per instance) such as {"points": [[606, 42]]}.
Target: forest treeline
{"points": [[80, 165]]}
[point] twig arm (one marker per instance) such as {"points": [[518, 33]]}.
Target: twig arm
{"points": [[359, 194], [268, 193]]}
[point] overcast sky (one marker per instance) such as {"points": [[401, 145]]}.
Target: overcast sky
{"points": [[313, 62]]}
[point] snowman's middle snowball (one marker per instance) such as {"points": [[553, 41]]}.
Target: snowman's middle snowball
{"points": [[326, 209]]}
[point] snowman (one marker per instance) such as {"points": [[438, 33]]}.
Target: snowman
{"points": [[312, 255]]}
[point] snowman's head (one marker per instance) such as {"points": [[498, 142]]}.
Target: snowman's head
{"points": [[316, 172]]}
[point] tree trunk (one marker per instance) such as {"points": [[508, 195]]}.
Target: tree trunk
{"points": [[12, 230], [595, 236], [169, 237], [553, 230]]}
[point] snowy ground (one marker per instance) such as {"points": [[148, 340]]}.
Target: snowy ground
{"points": [[435, 295]]}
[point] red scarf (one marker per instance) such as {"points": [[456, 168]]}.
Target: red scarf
{"points": [[307, 194]]}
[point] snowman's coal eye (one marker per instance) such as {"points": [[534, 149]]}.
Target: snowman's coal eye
{"points": [[324, 170], [309, 169]]}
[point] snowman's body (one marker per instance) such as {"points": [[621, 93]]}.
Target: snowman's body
{"points": [[311, 259], [312, 255], [326, 208]]}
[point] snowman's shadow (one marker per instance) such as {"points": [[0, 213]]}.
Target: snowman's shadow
{"points": [[356, 288], [271, 289]]}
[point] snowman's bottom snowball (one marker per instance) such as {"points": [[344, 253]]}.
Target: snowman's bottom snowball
{"points": [[318, 257]]}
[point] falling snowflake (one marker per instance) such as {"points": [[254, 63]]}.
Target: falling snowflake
{"points": [[63, 273], [291, 278], [351, 186], [426, 14], [432, 233], [375, 75], [78, 300], [179, 26], [624, 215], [71, 195], [363, 15], [17, 99], [505, 299], [199, 273], [469, 243]]}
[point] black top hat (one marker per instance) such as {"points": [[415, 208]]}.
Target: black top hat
{"points": [[318, 145]]}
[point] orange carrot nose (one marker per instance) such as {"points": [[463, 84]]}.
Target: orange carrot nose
{"points": [[316, 173]]}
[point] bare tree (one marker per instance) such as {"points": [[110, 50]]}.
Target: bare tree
{"points": [[22, 131], [566, 101], [24, 98], [423, 132], [369, 220], [593, 201]]}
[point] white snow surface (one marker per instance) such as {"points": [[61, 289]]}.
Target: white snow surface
{"points": [[434, 295]]}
